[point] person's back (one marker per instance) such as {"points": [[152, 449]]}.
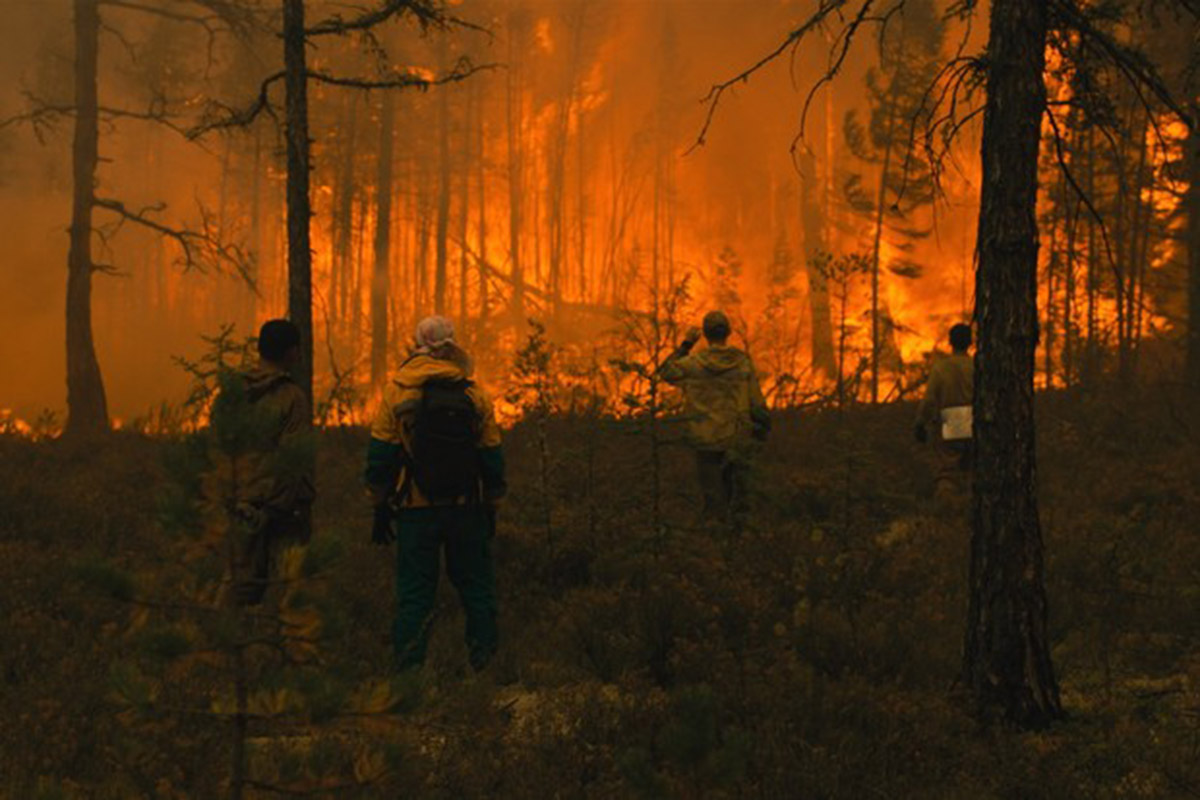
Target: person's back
{"points": [[951, 385], [435, 470], [947, 406], [719, 391], [724, 411], [270, 479]]}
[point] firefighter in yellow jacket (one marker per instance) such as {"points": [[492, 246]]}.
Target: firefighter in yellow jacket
{"points": [[947, 407], [724, 409], [435, 470]]}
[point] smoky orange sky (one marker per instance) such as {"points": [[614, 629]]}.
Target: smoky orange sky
{"points": [[633, 72]]}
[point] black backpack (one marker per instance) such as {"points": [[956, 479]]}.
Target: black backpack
{"points": [[444, 462]]}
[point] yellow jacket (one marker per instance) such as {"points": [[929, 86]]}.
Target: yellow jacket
{"points": [[724, 402], [392, 430]]}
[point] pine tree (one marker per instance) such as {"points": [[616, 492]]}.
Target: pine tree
{"points": [[896, 92]]}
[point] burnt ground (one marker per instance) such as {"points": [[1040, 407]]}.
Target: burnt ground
{"points": [[644, 654]]}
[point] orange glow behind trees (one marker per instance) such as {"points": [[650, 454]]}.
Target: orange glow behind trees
{"points": [[556, 187]]}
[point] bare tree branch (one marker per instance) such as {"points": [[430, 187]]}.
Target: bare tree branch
{"points": [[200, 250], [1060, 155], [44, 115], [241, 118], [1138, 71], [428, 14], [405, 80], [238, 118], [713, 98]]}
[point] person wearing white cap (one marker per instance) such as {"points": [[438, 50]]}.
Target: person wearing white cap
{"points": [[435, 470]]}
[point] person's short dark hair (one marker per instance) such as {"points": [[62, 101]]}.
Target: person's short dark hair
{"points": [[276, 338], [960, 336], [716, 326]]}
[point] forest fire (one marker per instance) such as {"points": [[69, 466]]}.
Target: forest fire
{"points": [[559, 187], [755, 371]]}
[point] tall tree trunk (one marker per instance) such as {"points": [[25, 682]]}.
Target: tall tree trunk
{"points": [[880, 210], [1192, 201], [380, 275], [87, 406], [1091, 346], [1070, 334], [1050, 327], [818, 283], [515, 109], [581, 213], [299, 211], [1006, 660], [482, 232], [256, 237], [464, 211], [443, 208], [342, 219]]}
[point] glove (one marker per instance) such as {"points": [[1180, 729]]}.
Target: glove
{"points": [[920, 434], [692, 336], [381, 528]]}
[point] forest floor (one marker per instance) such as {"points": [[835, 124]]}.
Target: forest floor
{"points": [[642, 655]]}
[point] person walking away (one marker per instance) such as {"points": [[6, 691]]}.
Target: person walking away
{"points": [[435, 471], [274, 474], [725, 413], [947, 405]]}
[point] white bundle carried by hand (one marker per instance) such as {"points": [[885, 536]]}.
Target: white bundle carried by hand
{"points": [[956, 423]]}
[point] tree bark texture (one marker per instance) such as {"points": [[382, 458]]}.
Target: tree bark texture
{"points": [[380, 276], [818, 282], [87, 406], [514, 110], [299, 210], [1006, 663]]}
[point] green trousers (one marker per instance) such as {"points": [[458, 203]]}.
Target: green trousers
{"points": [[723, 483], [464, 533]]}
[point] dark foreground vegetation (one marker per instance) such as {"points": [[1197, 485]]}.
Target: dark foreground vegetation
{"points": [[644, 652]]}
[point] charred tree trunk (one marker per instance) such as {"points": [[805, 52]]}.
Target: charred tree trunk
{"points": [[482, 232], [87, 406], [1006, 662], [443, 208], [515, 169], [342, 219], [880, 210], [581, 216], [1070, 334], [380, 275], [1091, 346], [299, 211], [1192, 210], [818, 282], [256, 237], [464, 212]]}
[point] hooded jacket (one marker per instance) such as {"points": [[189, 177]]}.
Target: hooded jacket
{"points": [[277, 475], [392, 430], [951, 383], [724, 402]]}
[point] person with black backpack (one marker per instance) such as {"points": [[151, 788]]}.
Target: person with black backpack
{"points": [[435, 470]]}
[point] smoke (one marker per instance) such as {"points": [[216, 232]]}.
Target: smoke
{"points": [[607, 98]]}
